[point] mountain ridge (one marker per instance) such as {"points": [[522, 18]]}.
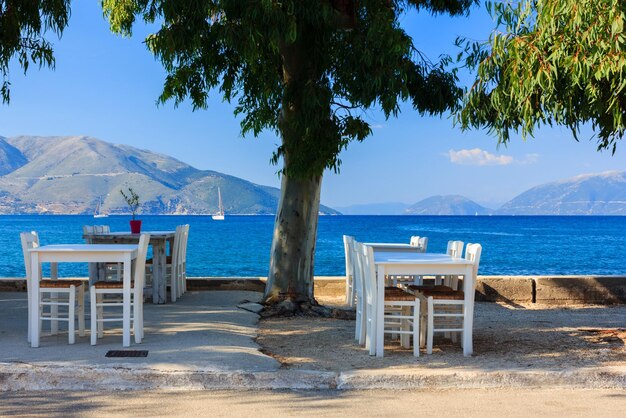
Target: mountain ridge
{"points": [[71, 174]]}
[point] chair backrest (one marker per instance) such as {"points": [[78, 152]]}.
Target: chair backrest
{"points": [[473, 253], [368, 269], [29, 240], [87, 230], [455, 249], [355, 267], [140, 263], [420, 242], [101, 229], [348, 249], [182, 248]]}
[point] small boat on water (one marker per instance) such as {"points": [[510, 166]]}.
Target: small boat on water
{"points": [[219, 216], [97, 213]]}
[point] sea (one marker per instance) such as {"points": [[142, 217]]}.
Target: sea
{"points": [[240, 245]]}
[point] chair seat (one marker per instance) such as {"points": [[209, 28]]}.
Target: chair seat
{"points": [[440, 294], [111, 285], [59, 284], [431, 288], [391, 294], [168, 260]]}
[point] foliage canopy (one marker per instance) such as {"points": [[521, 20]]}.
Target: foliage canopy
{"points": [[550, 62], [22, 26], [325, 60]]}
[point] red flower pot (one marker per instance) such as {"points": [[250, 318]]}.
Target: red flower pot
{"points": [[135, 227]]}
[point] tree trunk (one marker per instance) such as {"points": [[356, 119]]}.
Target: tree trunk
{"points": [[290, 280]]}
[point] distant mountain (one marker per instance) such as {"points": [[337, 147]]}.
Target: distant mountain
{"points": [[447, 205], [588, 194], [388, 208], [71, 174]]}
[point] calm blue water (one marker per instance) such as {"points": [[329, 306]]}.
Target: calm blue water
{"points": [[240, 246]]}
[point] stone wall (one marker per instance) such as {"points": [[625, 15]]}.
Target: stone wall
{"points": [[546, 290]]}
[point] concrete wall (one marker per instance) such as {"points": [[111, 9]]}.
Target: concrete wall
{"points": [[546, 290]]}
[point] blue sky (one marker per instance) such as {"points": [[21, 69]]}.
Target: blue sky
{"points": [[106, 86]]}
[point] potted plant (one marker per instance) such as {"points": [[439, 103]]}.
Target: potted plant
{"points": [[132, 200]]}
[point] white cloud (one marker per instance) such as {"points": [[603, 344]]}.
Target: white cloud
{"points": [[530, 159], [477, 156]]}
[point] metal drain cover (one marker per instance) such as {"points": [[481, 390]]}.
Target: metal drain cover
{"points": [[127, 353]]}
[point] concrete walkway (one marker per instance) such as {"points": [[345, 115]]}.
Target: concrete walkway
{"points": [[203, 331]]}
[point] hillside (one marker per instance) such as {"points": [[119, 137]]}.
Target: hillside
{"points": [[71, 174], [588, 194], [447, 205]]}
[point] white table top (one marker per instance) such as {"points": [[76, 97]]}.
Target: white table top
{"points": [[391, 245], [153, 234], [404, 257], [85, 248]]}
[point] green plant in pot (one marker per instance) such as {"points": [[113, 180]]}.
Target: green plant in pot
{"points": [[132, 200]]}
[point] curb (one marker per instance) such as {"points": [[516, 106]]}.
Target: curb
{"points": [[21, 377]]}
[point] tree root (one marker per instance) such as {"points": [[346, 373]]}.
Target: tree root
{"points": [[288, 308]]}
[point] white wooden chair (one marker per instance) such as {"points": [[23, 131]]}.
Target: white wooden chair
{"points": [[421, 245], [358, 288], [175, 264], [406, 323], [420, 242], [348, 247], [101, 288], [111, 271], [443, 309], [49, 292]]}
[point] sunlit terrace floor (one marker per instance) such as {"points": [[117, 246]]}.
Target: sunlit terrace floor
{"points": [[201, 331]]}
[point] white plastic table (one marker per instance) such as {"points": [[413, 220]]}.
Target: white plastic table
{"points": [[158, 240], [392, 246], [421, 264], [80, 253]]}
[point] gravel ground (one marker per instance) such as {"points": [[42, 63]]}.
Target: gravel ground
{"points": [[505, 337]]}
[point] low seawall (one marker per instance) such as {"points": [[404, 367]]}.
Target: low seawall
{"points": [[545, 290]]}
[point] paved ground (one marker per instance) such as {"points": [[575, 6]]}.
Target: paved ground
{"points": [[466, 403], [203, 331]]}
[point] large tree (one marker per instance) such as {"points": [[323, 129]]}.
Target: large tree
{"points": [[306, 69], [550, 62], [23, 24]]}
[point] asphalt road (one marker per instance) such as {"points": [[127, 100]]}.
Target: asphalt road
{"points": [[463, 403]]}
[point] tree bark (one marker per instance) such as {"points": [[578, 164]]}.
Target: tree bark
{"points": [[290, 277]]}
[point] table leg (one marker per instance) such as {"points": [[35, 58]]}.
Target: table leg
{"points": [[468, 311], [34, 300], [54, 297], [126, 304], [159, 289], [379, 336]]}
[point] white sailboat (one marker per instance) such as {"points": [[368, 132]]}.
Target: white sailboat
{"points": [[97, 213], [219, 216]]}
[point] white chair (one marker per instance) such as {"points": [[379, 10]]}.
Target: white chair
{"points": [[348, 244], [49, 292], [357, 284], [420, 242], [406, 323], [176, 263], [101, 288], [444, 309], [182, 260], [421, 245], [111, 271]]}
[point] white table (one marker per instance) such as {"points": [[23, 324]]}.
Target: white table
{"points": [[158, 240], [421, 264], [386, 246], [80, 253]]}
